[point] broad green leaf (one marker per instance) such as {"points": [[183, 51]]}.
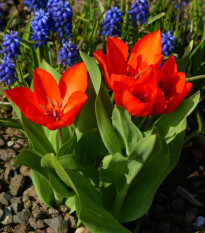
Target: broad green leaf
{"points": [[86, 119], [59, 186], [127, 130], [93, 71], [43, 189], [68, 147], [154, 162], [90, 148], [88, 204], [167, 123], [107, 132], [70, 202], [37, 136], [31, 159], [45, 66]]}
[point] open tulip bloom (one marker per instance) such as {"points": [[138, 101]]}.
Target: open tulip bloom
{"points": [[108, 166]]}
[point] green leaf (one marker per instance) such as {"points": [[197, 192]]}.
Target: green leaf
{"points": [[90, 148], [7, 122], [31, 159], [153, 154], [156, 17], [27, 29], [37, 136], [183, 62], [167, 123], [128, 131], [93, 71], [43, 189], [107, 132], [88, 204], [10, 22], [45, 66], [68, 147], [86, 119]]}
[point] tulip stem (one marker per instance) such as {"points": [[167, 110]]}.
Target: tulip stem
{"points": [[59, 137], [149, 121]]}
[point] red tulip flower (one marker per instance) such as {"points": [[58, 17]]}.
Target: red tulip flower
{"points": [[147, 51], [52, 105], [172, 87], [136, 96]]}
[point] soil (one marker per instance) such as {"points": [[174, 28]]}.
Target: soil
{"points": [[178, 202]]}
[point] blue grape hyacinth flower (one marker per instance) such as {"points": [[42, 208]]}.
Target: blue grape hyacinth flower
{"points": [[111, 23], [61, 13], [167, 42], [11, 45], [33, 5], [68, 54], [139, 12], [41, 26], [199, 221], [7, 70]]}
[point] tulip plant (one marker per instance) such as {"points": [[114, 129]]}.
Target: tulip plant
{"points": [[103, 146]]}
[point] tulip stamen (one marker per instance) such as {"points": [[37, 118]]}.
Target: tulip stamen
{"points": [[51, 102], [61, 103], [137, 75], [44, 108]]}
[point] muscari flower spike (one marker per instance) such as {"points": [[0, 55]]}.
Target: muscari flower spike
{"points": [[167, 42], [41, 26], [111, 23], [199, 221], [68, 54], [139, 12], [11, 45], [33, 5], [7, 68], [61, 12]]}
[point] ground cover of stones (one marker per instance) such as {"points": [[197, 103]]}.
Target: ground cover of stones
{"points": [[178, 202]]}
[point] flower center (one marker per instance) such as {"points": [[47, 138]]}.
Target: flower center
{"points": [[55, 111]]}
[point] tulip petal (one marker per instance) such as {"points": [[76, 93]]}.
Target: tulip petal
{"points": [[146, 49], [160, 103], [169, 67], [45, 86], [124, 97], [74, 79], [173, 104], [25, 99], [117, 54], [74, 105]]}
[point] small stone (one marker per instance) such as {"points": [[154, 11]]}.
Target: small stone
{"points": [[39, 214], [16, 146], [25, 171], [22, 217], [178, 204], [50, 230], [58, 224], [10, 143], [21, 228], [2, 142], [63, 208], [5, 198], [14, 200], [16, 184], [1, 213], [16, 207], [37, 224], [7, 217], [54, 213], [82, 230], [70, 220], [7, 154]]}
